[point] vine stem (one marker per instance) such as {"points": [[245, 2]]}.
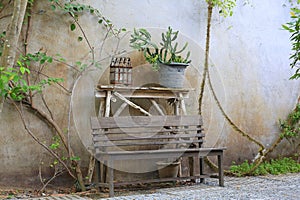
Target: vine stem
{"points": [[205, 76], [209, 13], [85, 37], [55, 175], [65, 143], [235, 127], [20, 111]]}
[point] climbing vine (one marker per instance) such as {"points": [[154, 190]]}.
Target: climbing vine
{"points": [[22, 83], [289, 127], [294, 28], [25, 80]]}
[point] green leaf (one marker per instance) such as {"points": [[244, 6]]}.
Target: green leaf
{"points": [[73, 27], [286, 27], [22, 70], [53, 7], [75, 158], [80, 39], [50, 60], [42, 61]]}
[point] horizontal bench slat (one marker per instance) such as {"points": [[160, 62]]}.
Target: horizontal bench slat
{"points": [[111, 144], [145, 130], [203, 149], [101, 137], [146, 121]]}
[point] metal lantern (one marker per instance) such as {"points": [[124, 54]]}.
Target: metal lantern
{"points": [[121, 71]]}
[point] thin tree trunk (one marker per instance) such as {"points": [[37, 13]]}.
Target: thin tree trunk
{"points": [[12, 37], [209, 14], [13, 33]]}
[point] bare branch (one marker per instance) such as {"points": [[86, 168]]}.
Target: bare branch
{"points": [[37, 140]]}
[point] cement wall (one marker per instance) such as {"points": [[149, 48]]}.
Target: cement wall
{"points": [[249, 72]]}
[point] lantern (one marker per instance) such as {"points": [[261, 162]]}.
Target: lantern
{"points": [[121, 71]]}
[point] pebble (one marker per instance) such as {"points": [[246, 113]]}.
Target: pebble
{"points": [[281, 187]]}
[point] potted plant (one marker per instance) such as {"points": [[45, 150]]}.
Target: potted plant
{"points": [[168, 169], [164, 57]]}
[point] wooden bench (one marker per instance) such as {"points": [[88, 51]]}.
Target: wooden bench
{"points": [[159, 137]]}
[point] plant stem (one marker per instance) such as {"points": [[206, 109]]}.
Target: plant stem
{"points": [[37, 140], [209, 15]]}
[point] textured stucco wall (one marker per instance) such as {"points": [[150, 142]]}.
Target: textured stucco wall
{"points": [[249, 59], [249, 71]]}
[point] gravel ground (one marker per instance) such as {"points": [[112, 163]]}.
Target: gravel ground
{"points": [[282, 187]]}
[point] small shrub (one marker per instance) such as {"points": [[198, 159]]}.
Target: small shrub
{"points": [[274, 166]]}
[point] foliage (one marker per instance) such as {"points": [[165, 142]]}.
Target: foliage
{"points": [[292, 2], [225, 6], [166, 52], [291, 126], [2, 36], [22, 81], [74, 9], [294, 28], [274, 166], [55, 145], [13, 82]]}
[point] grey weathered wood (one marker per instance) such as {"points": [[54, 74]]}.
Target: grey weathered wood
{"points": [[201, 166], [174, 133], [176, 108], [220, 169], [156, 106], [114, 143], [182, 104], [149, 121], [103, 138], [142, 92], [101, 107], [120, 109], [148, 130], [107, 104], [131, 103], [95, 124], [111, 177]]}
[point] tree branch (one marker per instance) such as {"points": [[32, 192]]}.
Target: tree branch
{"points": [[37, 140]]}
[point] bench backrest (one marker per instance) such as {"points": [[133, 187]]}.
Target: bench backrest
{"points": [[146, 132]]}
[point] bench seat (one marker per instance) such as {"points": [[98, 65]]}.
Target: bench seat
{"points": [[151, 137]]}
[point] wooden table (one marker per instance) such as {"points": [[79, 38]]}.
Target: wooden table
{"points": [[110, 93]]}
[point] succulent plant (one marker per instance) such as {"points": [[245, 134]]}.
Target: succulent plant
{"points": [[166, 52]]}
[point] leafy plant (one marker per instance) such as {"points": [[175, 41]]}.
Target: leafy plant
{"points": [[13, 82], [274, 166], [294, 28], [2, 36], [225, 6], [165, 52], [55, 145], [75, 9], [291, 126], [22, 79]]}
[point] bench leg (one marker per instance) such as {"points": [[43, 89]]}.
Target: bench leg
{"points": [[104, 172], [98, 173], [111, 178], [201, 165], [220, 168], [191, 168]]}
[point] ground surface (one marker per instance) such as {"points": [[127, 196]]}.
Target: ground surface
{"points": [[286, 187]]}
